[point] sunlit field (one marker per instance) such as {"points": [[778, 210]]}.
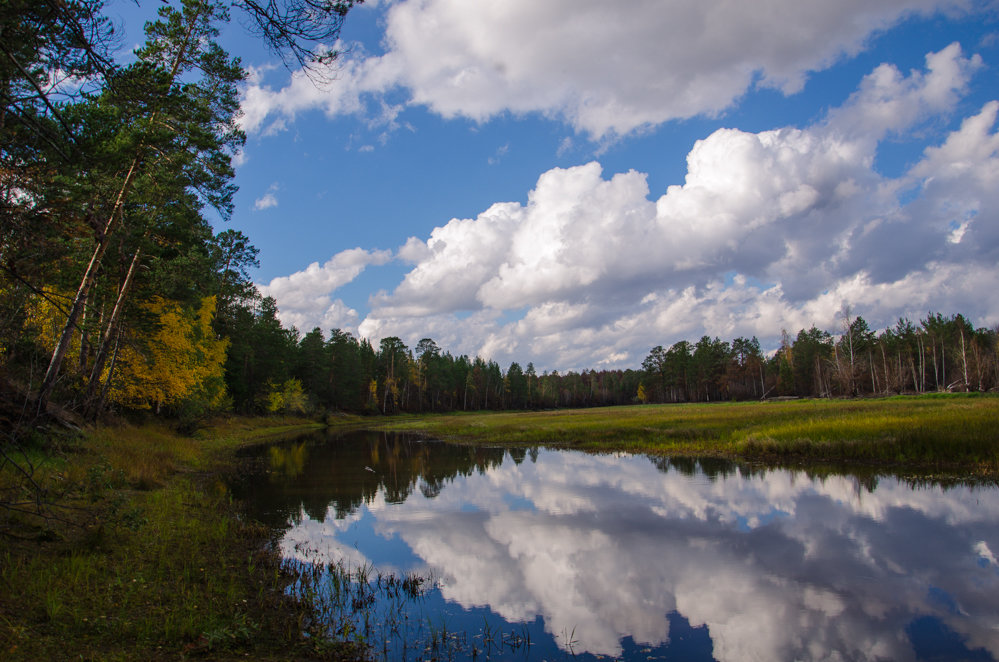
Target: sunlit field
{"points": [[949, 432]]}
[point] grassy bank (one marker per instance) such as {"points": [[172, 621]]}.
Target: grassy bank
{"points": [[950, 432], [139, 553]]}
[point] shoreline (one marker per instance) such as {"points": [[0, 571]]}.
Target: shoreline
{"points": [[143, 553], [955, 436]]}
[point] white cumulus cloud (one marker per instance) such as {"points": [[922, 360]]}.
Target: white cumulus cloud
{"points": [[603, 68], [266, 201], [304, 298], [769, 230]]}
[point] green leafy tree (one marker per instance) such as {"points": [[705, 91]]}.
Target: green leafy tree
{"points": [[311, 367], [232, 256], [853, 359], [812, 351], [347, 377], [784, 360], [656, 368], [515, 385], [173, 110], [708, 363], [262, 352], [426, 370], [745, 374], [531, 376], [393, 372], [678, 359]]}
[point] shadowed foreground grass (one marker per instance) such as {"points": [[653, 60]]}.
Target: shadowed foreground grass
{"points": [[949, 432], [139, 553]]}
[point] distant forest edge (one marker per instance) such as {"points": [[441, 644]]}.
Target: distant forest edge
{"points": [[188, 360], [117, 294]]}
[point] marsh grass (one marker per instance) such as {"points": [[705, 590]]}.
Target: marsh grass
{"points": [[141, 554], [387, 614], [952, 432]]}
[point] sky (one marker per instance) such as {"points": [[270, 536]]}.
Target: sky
{"points": [[572, 182]]}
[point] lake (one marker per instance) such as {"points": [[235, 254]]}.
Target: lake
{"points": [[429, 550]]}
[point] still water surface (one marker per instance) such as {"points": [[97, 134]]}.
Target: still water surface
{"points": [[541, 554]]}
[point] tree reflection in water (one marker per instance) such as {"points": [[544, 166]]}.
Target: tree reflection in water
{"points": [[625, 556]]}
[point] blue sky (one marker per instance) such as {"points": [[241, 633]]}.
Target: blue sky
{"points": [[573, 182]]}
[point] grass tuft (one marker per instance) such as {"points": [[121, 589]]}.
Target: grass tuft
{"points": [[142, 554]]}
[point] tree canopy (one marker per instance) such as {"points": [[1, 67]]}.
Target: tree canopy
{"points": [[116, 292], [107, 171]]}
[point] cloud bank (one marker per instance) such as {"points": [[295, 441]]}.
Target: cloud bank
{"points": [[604, 70], [770, 230], [305, 296]]}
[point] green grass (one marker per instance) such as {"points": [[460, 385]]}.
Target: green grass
{"points": [[957, 433], [141, 554]]}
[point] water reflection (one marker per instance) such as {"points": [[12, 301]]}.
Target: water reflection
{"points": [[614, 550]]}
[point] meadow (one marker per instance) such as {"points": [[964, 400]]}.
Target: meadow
{"points": [[952, 433]]}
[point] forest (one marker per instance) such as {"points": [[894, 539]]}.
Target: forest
{"points": [[117, 295], [270, 368]]}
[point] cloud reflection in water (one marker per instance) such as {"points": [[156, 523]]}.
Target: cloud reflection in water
{"points": [[776, 564]]}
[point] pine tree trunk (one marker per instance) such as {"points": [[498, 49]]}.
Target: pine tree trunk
{"points": [[84, 341], [943, 364], [111, 330], [936, 375], [964, 360], [901, 374], [80, 300], [884, 365], [107, 382]]}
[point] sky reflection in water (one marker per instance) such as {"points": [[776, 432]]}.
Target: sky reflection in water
{"points": [[774, 564]]}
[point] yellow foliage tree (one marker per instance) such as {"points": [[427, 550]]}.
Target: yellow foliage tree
{"points": [[181, 362], [43, 319], [288, 398]]}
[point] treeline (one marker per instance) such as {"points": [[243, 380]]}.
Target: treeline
{"points": [[270, 368], [938, 354], [273, 369]]}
